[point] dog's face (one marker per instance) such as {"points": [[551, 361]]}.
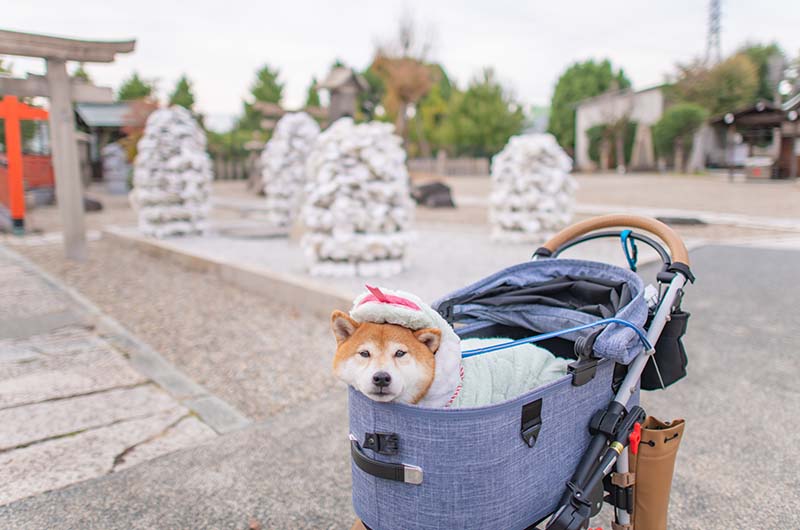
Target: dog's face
{"points": [[384, 361]]}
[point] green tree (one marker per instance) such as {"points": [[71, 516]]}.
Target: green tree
{"points": [[312, 98], [430, 129], [580, 81], [81, 73], [727, 86], [5, 66], [266, 88], [182, 95], [760, 55], [369, 99], [484, 117], [134, 88], [673, 132]]}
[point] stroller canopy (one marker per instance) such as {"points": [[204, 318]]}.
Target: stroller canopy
{"points": [[555, 294]]}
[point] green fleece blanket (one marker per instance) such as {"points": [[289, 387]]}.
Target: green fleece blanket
{"points": [[504, 374]]}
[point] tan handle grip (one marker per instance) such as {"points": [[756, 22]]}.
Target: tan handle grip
{"points": [[677, 248]]}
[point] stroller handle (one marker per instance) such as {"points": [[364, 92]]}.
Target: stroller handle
{"points": [[677, 249]]}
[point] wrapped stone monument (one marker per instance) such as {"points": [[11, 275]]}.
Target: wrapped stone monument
{"points": [[533, 193], [172, 175], [358, 211], [283, 167], [116, 168]]}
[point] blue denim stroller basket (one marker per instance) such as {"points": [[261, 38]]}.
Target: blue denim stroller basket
{"points": [[502, 466]]}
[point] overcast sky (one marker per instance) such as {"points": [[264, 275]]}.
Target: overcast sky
{"points": [[220, 43]]}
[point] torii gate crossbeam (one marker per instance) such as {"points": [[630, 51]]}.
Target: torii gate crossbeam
{"points": [[56, 51]]}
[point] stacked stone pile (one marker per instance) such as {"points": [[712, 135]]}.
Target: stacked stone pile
{"points": [[115, 168], [283, 166], [358, 211], [172, 175], [533, 193]]}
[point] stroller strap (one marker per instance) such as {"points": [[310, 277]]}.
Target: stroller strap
{"points": [[544, 336]]}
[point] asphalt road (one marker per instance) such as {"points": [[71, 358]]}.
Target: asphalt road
{"points": [[737, 468]]}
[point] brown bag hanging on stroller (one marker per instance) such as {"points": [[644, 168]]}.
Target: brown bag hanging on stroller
{"points": [[653, 466]]}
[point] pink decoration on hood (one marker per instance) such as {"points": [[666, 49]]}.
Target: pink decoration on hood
{"points": [[376, 295]]}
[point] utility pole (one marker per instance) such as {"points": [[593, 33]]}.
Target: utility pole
{"points": [[713, 46]]}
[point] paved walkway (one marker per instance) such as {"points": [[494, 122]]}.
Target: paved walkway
{"points": [[292, 471], [74, 406]]}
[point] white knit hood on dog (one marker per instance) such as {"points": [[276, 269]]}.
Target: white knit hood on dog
{"points": [[386, 306]]}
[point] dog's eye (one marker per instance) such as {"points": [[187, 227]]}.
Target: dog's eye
{"points": [[399, 353], [364, 353]]}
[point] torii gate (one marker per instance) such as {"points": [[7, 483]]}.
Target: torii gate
{"points": [[57, 86], [12, 111]]}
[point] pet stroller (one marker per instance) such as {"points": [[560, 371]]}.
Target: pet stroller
{"points": [[552, 453]]}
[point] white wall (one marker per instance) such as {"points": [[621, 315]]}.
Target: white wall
{"points": [[642, 107]]}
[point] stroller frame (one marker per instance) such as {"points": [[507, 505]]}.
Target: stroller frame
{"points": [[575, 509]]}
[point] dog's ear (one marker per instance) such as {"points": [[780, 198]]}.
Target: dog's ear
{"points": [[430, 337], [343, 326]]}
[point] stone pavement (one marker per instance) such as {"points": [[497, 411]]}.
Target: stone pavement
{"points": [[737, 467], [76, 404]]}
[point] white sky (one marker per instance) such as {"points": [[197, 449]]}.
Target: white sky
{"points": [[220, 43]]}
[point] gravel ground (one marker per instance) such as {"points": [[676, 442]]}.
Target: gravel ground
{"points": [[249, 351]]}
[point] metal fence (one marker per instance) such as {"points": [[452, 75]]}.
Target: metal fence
{"points": [[450, 166], [234, 168], [244, 168]]}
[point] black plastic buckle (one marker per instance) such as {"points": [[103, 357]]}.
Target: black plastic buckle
{"points": [[383, 443], [531, 423], [582, 370], [621, 498], [607, 421]]}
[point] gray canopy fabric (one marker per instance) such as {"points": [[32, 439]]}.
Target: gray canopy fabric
{"points": [[555, 294]]}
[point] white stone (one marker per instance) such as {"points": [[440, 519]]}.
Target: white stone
{"points": [[283, 163], [532, 191], [358, 211], [172, 175]]}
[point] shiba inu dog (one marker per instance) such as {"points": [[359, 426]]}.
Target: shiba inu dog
{"points": [[395, 347], [386, 362]]}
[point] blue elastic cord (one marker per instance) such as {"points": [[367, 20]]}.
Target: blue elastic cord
{"points": [[550, 335], [632, 253]]}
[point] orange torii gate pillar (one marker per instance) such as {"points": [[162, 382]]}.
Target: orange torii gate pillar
{"points": [[12, 111]]}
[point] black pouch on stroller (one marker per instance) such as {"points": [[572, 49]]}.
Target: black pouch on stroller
{"points": [[668, 364]]}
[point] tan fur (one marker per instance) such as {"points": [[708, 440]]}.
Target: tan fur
{"points": [[382, 341]]}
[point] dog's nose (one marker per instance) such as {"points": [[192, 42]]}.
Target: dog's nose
{"points": [[381, 379]]}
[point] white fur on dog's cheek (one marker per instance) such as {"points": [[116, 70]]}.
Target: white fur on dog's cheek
{"points": [[349, 370], [414, 375]]}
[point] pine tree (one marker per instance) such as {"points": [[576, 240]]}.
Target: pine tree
{"points": [[182, 95], [312, 99], [267, 89], [134, 88], [81, 73]]}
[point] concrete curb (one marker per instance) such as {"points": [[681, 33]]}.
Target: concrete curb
{"points": [[216, 413], [712, 218], [285, 288]]}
